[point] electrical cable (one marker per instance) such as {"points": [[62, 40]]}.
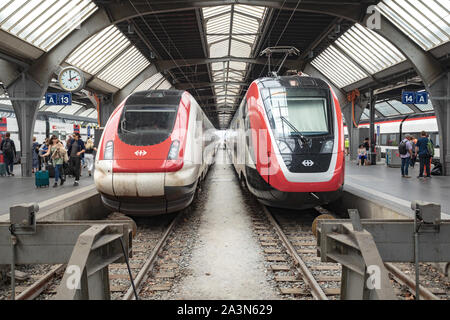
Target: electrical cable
{"points": [[128, 267]]}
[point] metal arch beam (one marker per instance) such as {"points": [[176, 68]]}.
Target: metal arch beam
{"points": [[9, 72], [171, 64], [185, 86], [353, 12]]}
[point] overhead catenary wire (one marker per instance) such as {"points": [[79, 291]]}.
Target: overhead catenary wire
{"points": [[284, 29], [162, 44]]}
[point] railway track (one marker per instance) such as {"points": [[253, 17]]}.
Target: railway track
{"points": [[307, 276]]}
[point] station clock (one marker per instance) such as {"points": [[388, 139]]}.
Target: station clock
{"points": [[71, 79]]}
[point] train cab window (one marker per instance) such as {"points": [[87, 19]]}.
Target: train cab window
{"points": [[146, 125], [298, 111]]}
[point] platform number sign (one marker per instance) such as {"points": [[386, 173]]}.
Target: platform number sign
{"points": [[63, 99], [408, 97], [411, 97], [421, 97]]}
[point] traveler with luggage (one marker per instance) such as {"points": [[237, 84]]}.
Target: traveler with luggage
{"points": [[75, 149], [57, 155], [89, 155], [35, 155], [425, 151], [9, 153], [405, 150]]}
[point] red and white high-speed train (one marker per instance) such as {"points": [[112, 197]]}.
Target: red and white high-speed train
{"points": [[287, 141], [155, 148]]}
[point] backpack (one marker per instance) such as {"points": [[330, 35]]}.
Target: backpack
{"points": [[7, 147], [430, 148], [402, 148]]}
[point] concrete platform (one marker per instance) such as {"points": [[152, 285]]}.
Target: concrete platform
{"points": [[386, 185], [226, 260], [18, 189]]}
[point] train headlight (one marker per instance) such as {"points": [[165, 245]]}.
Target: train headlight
{"points": [[109, 151], [327, 147], [285, 151], [173, 152]]}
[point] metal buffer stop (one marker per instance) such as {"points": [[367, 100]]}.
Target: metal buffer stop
{"points": [[87, 247], [364, 248]]}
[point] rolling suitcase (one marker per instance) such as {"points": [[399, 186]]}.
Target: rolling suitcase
{"points": [[2, 169], [42, 179]]}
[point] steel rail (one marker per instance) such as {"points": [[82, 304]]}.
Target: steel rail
{"points": [[316, 290], [149, 263], [33, 291], [404, 279]]}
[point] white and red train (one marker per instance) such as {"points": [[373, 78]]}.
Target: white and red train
{"points": [[286, 142], [155, 148]]}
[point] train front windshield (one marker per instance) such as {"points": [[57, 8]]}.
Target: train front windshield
{"points": [[295, 111], [146, 125]]}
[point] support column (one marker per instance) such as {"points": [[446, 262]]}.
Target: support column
{"points": [[372, 136], [440, 98], [353, 135], [26, 112], [106, 109]]}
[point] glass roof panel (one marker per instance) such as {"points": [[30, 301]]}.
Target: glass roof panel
{"points": [[385, 109], [337, 67], [231, 30], [425, 107], [149, 83], [122, 70], [72, 109], [400, 107], [87, 112], [426, 22], [164, 85], [99, 50], [368, 49], [44, 23]]}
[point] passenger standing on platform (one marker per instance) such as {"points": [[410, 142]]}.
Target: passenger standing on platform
{"points": [[35, 155], [413, 160], [362, 155], [43, 150], [367, 147], [347, 146], [57, 154], [424, 156], [405, 150], [9, 153], [75, 149], [89, 155]]}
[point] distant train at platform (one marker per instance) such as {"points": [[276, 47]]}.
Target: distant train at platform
{"points": [[286, 142], [155, 149], [390, 131]]}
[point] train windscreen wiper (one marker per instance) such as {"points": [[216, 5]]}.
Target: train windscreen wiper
{"points": [[302, 137]]}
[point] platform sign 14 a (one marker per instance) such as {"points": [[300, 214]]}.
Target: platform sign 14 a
{"points": [[411, 97], [64, 99]]}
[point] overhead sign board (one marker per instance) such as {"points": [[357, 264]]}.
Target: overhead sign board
{"points": [[53, 99], [411, 97]]}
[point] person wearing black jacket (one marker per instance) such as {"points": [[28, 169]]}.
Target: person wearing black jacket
{"points": [[9, 153], [75, 149]]}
